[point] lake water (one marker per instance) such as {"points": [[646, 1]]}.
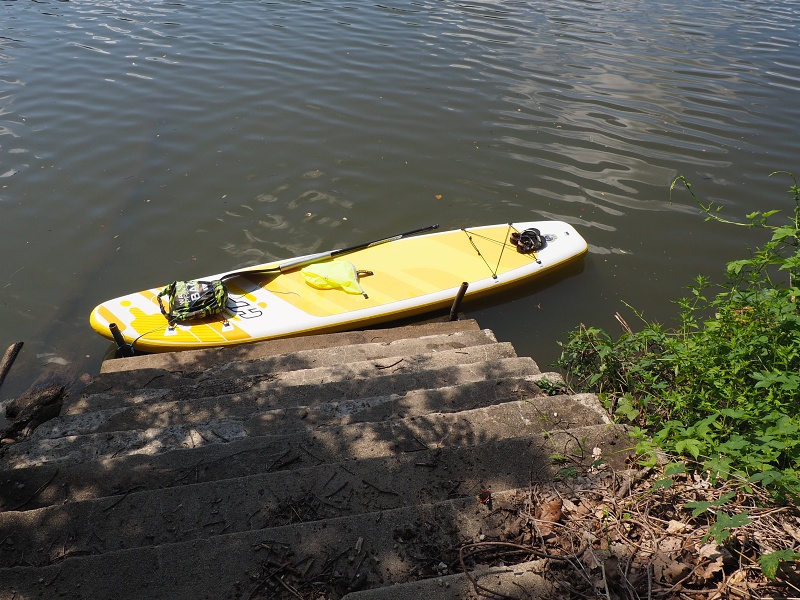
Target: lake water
{"points": [[144, 141]]}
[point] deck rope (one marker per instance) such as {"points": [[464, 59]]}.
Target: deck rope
{"points": [[502, 243]]}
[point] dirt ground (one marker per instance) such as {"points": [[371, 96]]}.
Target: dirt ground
{"points": [[604, 534]]}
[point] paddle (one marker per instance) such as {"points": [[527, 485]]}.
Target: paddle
{"points": [[198, 299], [297, 263]]}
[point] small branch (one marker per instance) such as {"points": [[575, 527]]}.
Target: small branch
{"points": [[121, 498], [375, 487], [389, 366], [37, 492], [8, 359]]}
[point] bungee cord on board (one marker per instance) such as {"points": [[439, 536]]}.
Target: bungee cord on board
{"points": [[526, 242]]}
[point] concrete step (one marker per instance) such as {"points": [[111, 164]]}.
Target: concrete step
{"points": [[133, 380], [340, 464], [521, 581], [335, 382], [464, 396], [95, 466], [349, 552], [269, 500], [198, 360], [339, 555], [388, 436]]}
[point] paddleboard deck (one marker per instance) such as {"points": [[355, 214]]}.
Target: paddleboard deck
{"points": [[411, 276]]}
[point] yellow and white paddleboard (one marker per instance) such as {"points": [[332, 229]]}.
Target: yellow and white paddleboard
{"points": [[409, 276]]}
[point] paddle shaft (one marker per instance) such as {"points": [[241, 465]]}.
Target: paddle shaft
{"points": [[297, 263]]}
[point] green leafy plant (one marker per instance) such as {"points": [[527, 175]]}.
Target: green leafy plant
{"points": [[722, 386], [723, 522], [771, 562]]}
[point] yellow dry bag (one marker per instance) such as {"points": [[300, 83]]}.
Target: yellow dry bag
{"points": [[337, 274]]}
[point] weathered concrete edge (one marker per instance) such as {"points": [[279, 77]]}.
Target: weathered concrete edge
{"points": [[198, 359], [522, 580]]}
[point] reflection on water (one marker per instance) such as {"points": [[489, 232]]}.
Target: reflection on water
{"points": [[146, 141]]}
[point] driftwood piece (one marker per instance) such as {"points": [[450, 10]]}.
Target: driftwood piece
{"points": [[32, 409], [8, 359]]}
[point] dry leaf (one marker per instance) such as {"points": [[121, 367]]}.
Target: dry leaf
{"points": [[676, 527], [668, 569], [549, 513], [568, 505], [792, 531], [710, 551], [714, 567], [670, 544], [737, 578], [589, 558]]}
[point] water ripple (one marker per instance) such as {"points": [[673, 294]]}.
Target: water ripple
{"points": [[640, 96], [150, 137]]}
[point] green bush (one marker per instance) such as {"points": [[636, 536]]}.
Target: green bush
{"points": [[723, 386]]}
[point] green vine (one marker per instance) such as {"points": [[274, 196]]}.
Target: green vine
{"points": [[722, 387]]}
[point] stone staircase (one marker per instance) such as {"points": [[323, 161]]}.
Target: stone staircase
{"points": [[338, 466]]}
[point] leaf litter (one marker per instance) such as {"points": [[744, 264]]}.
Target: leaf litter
{"points": [[603, 534], [618, 535]]}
